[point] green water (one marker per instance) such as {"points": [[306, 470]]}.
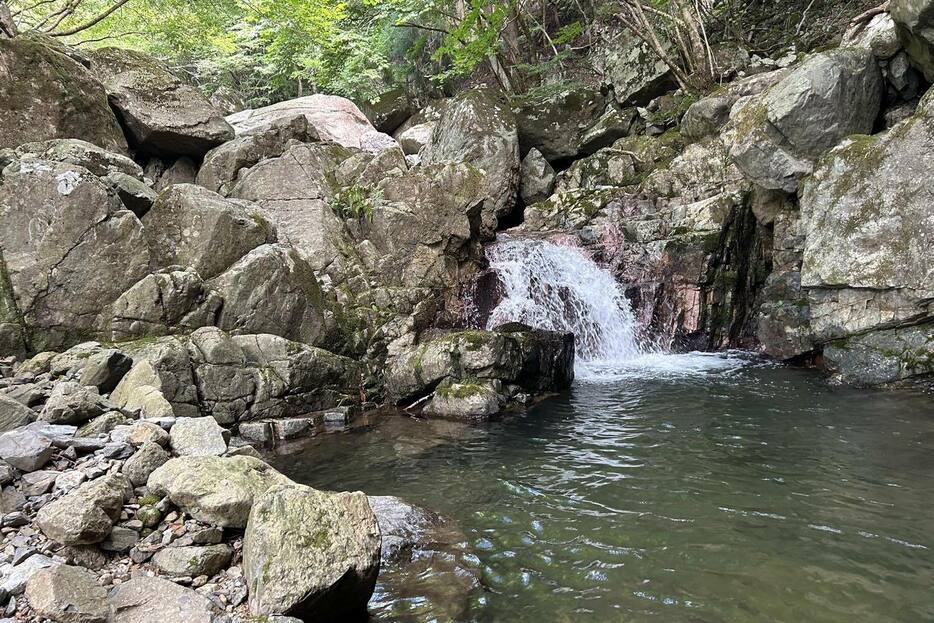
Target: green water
{"points": [[749, 493]]}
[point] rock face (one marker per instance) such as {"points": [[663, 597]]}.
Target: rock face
{"points": [[465, 371], [67, 594], [915, 22], [47, 95], [476, 129], [163, 116], [71, 247], [778, 134], [310, 554], [334, 119], [216, 490], [87, 514]]}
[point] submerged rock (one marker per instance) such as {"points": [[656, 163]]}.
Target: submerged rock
{"points": [[311, 554]]}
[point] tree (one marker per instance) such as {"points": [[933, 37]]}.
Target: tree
{"points": [[7, 25], [680, 23]]}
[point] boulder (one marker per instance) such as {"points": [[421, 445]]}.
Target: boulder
{"points": [[223, 165], [776, 136], [388, 110], [162, 303], [464, 401], [881, 357], [533, 360], [140, 433], [879, 34], [144, 462], [218, 491], [103, 369], [73, 403], [160, 379], [87, 514], [71, 248], [272, 290], [16, 577], [25, 450], [334, 119], [146, 599], [47, 95], [182, 171], [194, 560], [706, 116], [416, 131], [162, 115], [14, 414], [99, 161], [914, 20], [554, 124], [536, 178], [634, 70], [197, 437], [193, 227], [476, 129], [311, 554], [68, 594]]}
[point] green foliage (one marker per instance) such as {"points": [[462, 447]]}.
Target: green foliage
{"points": [[356, 202]]}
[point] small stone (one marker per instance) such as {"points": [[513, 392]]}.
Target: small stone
{"points": [[147, 459], [15, 519], [66, 481], [121, 539], [37, 483], [142, 432]]}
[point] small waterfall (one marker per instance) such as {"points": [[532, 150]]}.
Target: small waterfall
{"points": [[549, 286]]}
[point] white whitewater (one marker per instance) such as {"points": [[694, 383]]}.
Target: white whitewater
{"points": [[559, 288]]}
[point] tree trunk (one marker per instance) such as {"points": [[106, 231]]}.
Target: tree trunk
{"points": [[7, 25]]}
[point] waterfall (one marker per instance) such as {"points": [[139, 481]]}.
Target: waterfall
{"points": [[549, 286]]}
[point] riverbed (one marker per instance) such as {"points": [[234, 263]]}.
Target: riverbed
{"points": [[691, 488]]}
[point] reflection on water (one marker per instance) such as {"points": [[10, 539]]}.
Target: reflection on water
{"points": [[734, 492]]}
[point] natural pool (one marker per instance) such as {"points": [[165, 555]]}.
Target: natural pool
{"points": [[697, 488]]}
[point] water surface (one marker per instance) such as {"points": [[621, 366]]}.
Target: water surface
{"points": [[679, 489]]}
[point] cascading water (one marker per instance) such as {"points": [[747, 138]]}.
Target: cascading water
{"points": [[555, 287], [559, 288]]}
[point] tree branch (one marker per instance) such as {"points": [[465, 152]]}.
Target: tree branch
{"points": [[92, 22]]}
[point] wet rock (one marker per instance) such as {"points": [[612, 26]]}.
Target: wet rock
{"points": [[162, 115], [197, 437], [193, 561], [47, 95], [144, 599], [144, 462], [87, 514], [882, 357], [25, 450], [217, 491], [777, 135], [67, 594], [310, 554], [14, 414]]}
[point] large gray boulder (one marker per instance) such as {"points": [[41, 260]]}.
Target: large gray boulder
{"points": [[775, 137], [311, 554], [537, 178], [87, 514], [194, 227], [272, 290], [554, 125], [160, 379], [416, 131], [334, 119], [47, 95], [99, 161], [634, 70], [478, 130], [459, 368], [25, 450], [163, 115], [915, 22], [223, 165], [881, 357], [144, 462], [215, 490], [67, 594], [146, 599], [73, 403], [69, 248], [200, 436]]}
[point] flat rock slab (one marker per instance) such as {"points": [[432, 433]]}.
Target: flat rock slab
{"points": [[149, 600], [67, 594]]}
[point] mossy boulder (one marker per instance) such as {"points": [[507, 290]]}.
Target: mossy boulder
{"points": [[311, 554], [163, 116], [776, 136], [46, 95]]}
